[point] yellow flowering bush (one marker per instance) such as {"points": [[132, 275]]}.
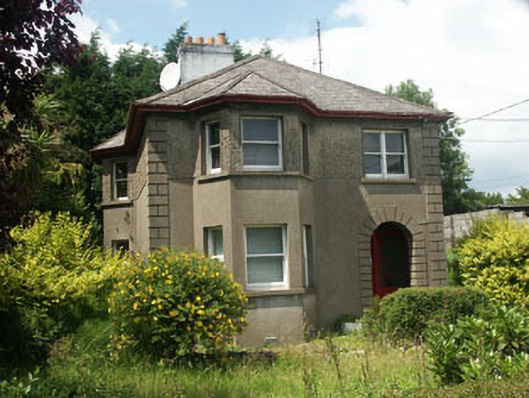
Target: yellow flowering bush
{"points": [[177, 303], [52, 279], [495, 258]]}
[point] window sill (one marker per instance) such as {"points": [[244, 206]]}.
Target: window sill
{"points": [[278, 292], [223, 176], [117, 203], [401, 181]]}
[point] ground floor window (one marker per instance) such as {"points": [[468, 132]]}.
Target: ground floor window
{"points": [[266, 262], [214, 243], [121, 245]]}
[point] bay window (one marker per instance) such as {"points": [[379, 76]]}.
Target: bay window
{"points": [[261, 144], [213, 147], [266, 262]]}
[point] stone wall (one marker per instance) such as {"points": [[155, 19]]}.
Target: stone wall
{"points": [[458, 225]]}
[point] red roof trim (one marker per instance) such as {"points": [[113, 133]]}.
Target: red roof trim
{"points": [[138, 112]]}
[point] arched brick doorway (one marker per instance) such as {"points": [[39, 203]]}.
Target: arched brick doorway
{"points": [[390, 254]]}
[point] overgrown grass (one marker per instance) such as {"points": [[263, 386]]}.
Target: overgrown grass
{"points": [[348, 366]]}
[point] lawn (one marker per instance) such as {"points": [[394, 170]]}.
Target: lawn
{"points": [[348, 366]]}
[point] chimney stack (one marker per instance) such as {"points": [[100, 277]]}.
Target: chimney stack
{"points": [[198, 59], [221, 39]]}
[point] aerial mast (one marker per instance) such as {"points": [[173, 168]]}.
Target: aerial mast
{"points": [[319, 43]]}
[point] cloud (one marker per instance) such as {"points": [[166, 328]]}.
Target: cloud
{"points": [[469, 52], [85, 26], [113, 25], [178, 3]]}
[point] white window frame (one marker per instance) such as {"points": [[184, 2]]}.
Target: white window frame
{"points": [[209, 238], [115, 181], [209, 160], [272, 285], [384, 154], [279, 144]]}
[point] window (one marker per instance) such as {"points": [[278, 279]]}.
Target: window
{"points": [[214, 243], [265, 256], [261, 144], [385, 154], [120, 181], [308, 277], [120, 246], [305, 149], [213, 148]]}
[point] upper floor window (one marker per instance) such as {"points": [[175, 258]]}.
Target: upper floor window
{"points": [[213, 147], [120, 181], [261, 144], [215, 243], [266, 263], [385, 154]]}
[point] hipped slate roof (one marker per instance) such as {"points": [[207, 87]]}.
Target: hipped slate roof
{"points": [[265, 80]]}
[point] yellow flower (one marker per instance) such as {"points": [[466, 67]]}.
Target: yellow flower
{"points": [[173, 313], [155, 318], [200, 312], [169, 281], [135, 306]]}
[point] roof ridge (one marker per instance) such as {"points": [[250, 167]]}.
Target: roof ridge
{"points": [[194, 82], [279, 85], [352, 84]]}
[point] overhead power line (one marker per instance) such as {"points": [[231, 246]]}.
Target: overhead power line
{"points": [[494, 112]]}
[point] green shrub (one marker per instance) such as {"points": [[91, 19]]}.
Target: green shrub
{"points": [[53, 278], [493, 345], [495, 258], [177, 303], [406, 313]]}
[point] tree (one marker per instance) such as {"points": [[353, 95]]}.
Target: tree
{"points": [[455, 172], [35, 36], [521, 196], [170, 49], [95, 96]]}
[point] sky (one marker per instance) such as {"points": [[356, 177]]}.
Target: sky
{"points": [[473, 54]]}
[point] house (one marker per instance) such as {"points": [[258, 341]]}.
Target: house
{"points": [[317, 193]]}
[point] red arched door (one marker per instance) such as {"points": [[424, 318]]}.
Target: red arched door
{"points": [[390, 256]]}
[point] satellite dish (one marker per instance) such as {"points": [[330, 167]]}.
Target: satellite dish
{"points": [[170, 76]]}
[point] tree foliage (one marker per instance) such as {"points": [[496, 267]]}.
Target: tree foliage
{"points": [[95, 95], [35, 35], [170, 48], [455, 171], [521, 196]]}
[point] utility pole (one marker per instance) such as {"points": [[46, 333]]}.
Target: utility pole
{"points": [[319, 42]]}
